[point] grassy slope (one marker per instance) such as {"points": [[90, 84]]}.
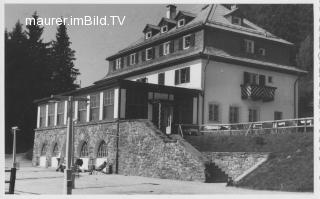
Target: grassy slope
{"points": [[290, 167]]}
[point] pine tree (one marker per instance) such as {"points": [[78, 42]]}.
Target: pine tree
{"points": [[64, 74]]}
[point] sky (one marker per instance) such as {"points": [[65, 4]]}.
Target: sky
{"points": [[93, 44]]}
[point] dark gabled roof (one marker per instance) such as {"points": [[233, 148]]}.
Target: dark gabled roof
{"points": [[185, 13], [167, 20], [151, 26]]}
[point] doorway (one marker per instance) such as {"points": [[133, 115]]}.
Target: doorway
{"points": [[162, 116]]}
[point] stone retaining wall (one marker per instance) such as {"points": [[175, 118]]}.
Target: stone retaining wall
{"points": [[143, 150]]}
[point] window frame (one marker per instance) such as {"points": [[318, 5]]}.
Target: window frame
{"points": [[80, 110], [164, 78], [60, 113], [214, 118], [118, 63], [102, 151], [148, 34], [270, 79], [179, 24], [132, 59], [108, 102], [179, 76], [166, 47], [275, 114], [95, 108], [232, 118], [42, 116], [148, 49], [253, 114], [84, 152], [262, 51], [162, 27], [238, 19], [184, 47], [248, 44]]}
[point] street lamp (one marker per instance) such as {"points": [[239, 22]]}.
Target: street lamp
{"points": [[14, 130], [68, 178]]}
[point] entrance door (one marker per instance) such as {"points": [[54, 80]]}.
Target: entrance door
{"points": [[162, 116]]}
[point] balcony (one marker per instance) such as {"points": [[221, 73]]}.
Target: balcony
{"points": [[257, 92]]}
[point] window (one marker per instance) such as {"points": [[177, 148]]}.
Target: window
{"points": [[214, 112], [182, 76], [277, 115], [51, 114], [181, 22], [161, 78], [166, 48], [186, 41], [60, 113], [42, 115], [84, 150], [249, 46], [94, 107], [270, 80], [55, 151], [133, 59], [102, 150], [254, 79], [164, 29], [236, 20], [118, 64], [262, 51], [143, 80], [148, 34], [149, 53], [253, 115], [82, 111], [108, 100], [44, 150], [234, 114]]}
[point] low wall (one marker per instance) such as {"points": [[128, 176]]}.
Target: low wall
{"points": [[142, 149], [236, 164]]}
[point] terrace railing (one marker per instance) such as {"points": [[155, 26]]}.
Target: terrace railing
{"points": [[260, 127]]}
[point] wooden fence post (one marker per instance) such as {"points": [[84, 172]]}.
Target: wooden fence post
{"points": [[12, 180]]}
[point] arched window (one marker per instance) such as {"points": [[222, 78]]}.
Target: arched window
{"points": [[102, 150], [84, 150], [55, 151], [44, 150]]}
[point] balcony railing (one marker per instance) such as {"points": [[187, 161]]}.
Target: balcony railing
{"points": [[257, 92]]}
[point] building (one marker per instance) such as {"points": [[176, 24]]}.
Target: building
{"points": [[210, 67]]}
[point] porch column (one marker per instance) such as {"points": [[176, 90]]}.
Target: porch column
{"points": [[65, 112], [88, 108], [47, 114], [55, 113], [195, 110], [38, 117], [116, 103], [76, 110], [101, 106]]}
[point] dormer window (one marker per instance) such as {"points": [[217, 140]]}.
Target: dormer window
{"points": [[236, 20], [148, 35], [186, 41], [262, 51], [181, 23], [133, 59], [164, 29]]}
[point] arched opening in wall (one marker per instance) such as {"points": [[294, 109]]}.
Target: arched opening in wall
{"points": [[43, 155], [102, 155], [84, 156], [55, 157]]}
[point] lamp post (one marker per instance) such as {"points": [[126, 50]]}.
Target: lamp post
{"points": [[14, 131]]}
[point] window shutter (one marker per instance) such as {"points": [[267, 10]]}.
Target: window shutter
{"points": [[180, 43], [113, 65], [172, 46], [137, 57], [128, 60], [176, 77], [246, 78], [188, 74], [122, 62], [143, 55], [262, 80], [153, 53], [161, 50], [192, 39]]}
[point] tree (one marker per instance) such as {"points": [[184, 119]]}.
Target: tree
{"points": [[64, 73]]}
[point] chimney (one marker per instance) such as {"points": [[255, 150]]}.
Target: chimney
{"points": [[171, 11], [234, 6]]}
